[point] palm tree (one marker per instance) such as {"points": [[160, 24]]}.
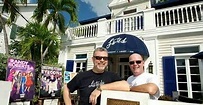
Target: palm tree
{"points": [[52, 11], [10, 7], [37, 43]]}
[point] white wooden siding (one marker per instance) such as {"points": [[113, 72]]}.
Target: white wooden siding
{"points": [[165, 48], [87, 49]]}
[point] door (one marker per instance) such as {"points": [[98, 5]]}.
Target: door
{"points": [[188, 77], [124, 70]]}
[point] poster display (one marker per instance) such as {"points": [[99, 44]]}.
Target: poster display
{"points": [[21, 74], [51, 82], [68, 76]]}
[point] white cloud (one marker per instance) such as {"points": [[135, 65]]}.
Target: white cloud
{"points": [[100, 7]]}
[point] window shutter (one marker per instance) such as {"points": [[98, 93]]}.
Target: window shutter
{"points": [[69, 65], [13, 31], [169, 75]]}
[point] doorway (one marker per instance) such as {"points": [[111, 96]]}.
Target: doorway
{"points": [[124, 70]]}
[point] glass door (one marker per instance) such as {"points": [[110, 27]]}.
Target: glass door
{"points": [[124, 70], [188, 78]]}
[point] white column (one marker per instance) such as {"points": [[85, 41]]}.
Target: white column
{"points": [[149, 19], [63, 56], [102, 27]]}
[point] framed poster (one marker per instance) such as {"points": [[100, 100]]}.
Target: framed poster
{"points": [[68, 76], [51, 81], [21, 74]]}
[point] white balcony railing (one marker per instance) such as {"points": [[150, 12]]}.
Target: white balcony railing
{"points": [[84, 31], [125, 24], [147, 19], [180, 14]]}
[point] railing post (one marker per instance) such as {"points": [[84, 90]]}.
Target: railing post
{"points": [[102, 27], [149, 19]]}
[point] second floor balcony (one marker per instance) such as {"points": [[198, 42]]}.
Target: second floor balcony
{"points": [[146, 20]]}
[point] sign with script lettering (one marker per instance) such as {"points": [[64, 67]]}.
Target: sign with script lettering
{"points": [[125, 43], [113, 41]]}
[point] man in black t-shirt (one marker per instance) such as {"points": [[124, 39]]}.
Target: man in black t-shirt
{"points": [[91, 83]]}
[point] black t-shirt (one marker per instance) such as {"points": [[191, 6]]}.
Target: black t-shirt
{"points": [[87, 81]]}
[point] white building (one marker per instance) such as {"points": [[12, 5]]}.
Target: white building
{"points": [[27, 11], [172, 35], [172, 32]]}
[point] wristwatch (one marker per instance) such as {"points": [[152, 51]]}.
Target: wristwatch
{"points": [[98, 88]]}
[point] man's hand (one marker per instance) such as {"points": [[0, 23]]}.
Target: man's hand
{"points": [[93, 97]]}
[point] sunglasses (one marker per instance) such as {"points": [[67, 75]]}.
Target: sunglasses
{"points": [[133, 62], [99, 58]]}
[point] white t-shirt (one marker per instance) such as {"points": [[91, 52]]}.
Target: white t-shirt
{"points": [[143, 79]]}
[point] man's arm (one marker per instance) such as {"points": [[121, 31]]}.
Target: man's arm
{"points": [[150, 88], [66, 95], [118, 85]]}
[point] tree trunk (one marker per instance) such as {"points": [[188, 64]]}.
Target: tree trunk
{"points": [[5, 35], [41, 54]]}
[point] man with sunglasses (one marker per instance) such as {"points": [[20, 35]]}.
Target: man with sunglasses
{"points": [[141, 81], [90, 83]]}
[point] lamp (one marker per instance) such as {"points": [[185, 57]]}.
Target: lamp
{"points": [[150, 67]]}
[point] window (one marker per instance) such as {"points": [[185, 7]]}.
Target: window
{"points": [[124, 69], [81, 62], [81, 66], [188, 49], [130, 11], [188, 78], [188, 73], [81, 56]]}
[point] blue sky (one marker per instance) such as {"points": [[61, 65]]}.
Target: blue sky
{"points": [[88, 9]]}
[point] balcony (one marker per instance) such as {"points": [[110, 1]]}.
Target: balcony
{"points": [[188, 15]]}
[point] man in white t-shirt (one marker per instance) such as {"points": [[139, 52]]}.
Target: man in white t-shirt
{"points": [[141, 81]]}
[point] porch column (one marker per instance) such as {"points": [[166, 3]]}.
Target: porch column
{"points": [[102, 27], [149, 19], [63, 56]]}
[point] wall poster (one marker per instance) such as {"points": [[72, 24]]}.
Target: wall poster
{"points": [[51, 81], [21, 74], [68, 76]]}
